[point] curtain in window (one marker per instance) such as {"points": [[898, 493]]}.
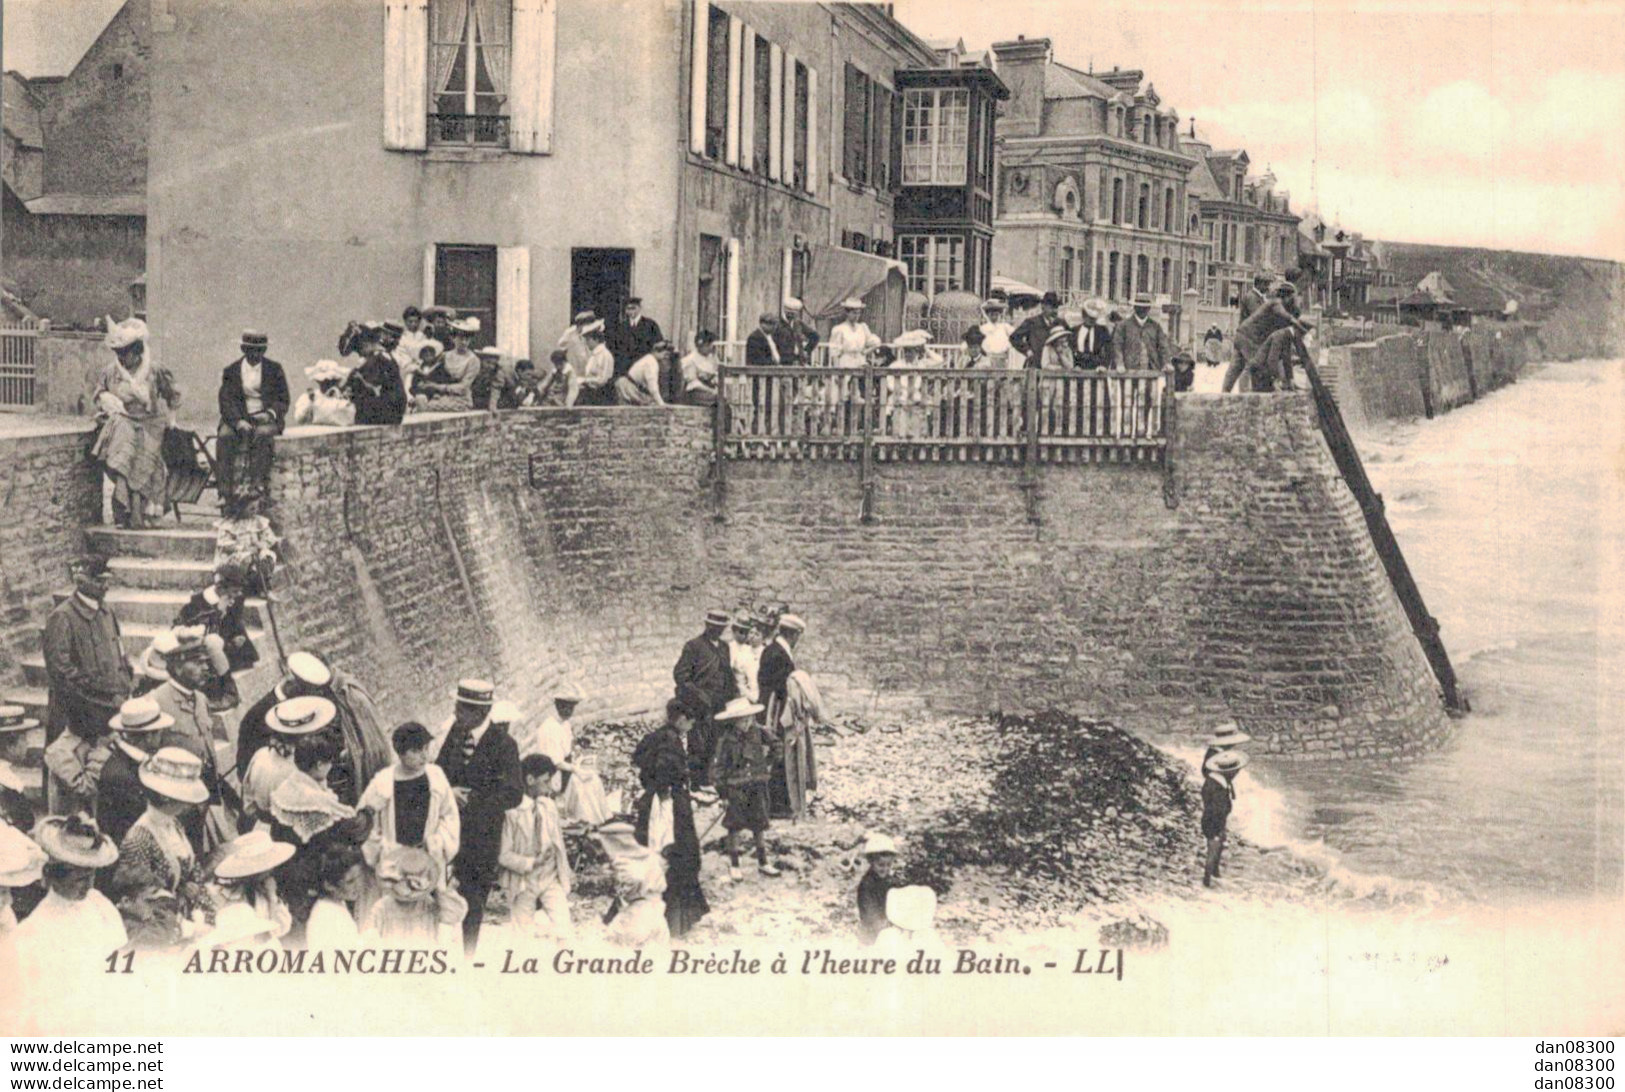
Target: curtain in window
{"points": [[450, 19], [491, 20]]}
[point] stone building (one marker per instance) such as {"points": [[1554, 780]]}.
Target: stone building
{"points": [[1094, 181], [517, 159], [74, 163], [1248, 225]]}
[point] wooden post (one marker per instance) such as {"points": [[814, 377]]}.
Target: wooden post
{"points": [[866, 464]]}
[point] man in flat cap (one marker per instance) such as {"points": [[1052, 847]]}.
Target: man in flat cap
{"points": [[253, 409]]}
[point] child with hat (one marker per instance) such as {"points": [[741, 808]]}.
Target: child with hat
{"points": [[417, 907], [741, 769], [244, 537], [251, 914], [880, 850], [1218, 797], [535, 875]]}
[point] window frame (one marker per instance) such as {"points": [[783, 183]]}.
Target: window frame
{"points": [[476, 51], [945, 131]]}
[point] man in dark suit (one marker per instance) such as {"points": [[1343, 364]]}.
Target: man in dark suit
{"points": [[778, 660], [138, 731], [795, 338], [481, 761], [634, 338], [1031, 336], [1094, 337], [705, 679], [253, 408], [763, 347]]}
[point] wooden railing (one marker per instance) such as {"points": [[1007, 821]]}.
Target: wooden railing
{"points": [[942, 414]]}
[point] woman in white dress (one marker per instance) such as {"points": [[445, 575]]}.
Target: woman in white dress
{"points": [[74, 924]]}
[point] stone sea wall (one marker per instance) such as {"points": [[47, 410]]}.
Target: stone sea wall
{"points": [[539, 545]]}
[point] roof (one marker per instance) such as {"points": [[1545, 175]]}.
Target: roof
{"points": [[1062, 82], [21, 112], [89, 204], [1199, 181], [50, 39]]}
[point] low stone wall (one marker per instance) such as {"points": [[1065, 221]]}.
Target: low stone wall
{"points": [[538, 545], [48, 493]]}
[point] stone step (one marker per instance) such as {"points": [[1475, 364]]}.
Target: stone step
{"points": [[160, 605], [136, 636], [169, 541], [34, 700], [187, 575]]}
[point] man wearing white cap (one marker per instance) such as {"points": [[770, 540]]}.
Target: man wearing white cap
{"points": [[582, 796], [481, 761], [851, 340], [138, 731], [797, 339]]}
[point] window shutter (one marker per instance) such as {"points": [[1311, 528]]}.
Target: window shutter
{"points": [[530, 93], [896, 139], [513, 301], [775, 110], [731, 319], [428, 275], [698, 75], [852, 123], [787, 274], [787, 170], [812, 130], [735, 39], [879, 142], [406, 74], [747, 99]]}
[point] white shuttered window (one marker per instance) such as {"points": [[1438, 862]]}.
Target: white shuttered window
{"points": [[406, 74], [513, 301], [534, 54]]}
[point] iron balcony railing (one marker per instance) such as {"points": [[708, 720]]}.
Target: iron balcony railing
{"points": [[477, 129]]}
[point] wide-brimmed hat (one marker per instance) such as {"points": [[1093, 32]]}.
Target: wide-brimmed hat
{"points": [[582, 317], [912, 339], [1095, 307], [852, 303], [1228, 734], [792, 304], [309, 669], [251, 854], [300, 716], [121, 335], [475, 692], [14, 718], [409, 867], [172, 646], [717, 618], [596, 326], [569, 691], [505, 712], [21, 858], [1142, 299], [324, 371], [994, 303], [175, 773], [75, 840], [490, 351], [389, 327], [469, 325], [879, 843], [140, 715], [1227, 762], [737, 709], [792, 622], [1059, 333], [911, 908]]}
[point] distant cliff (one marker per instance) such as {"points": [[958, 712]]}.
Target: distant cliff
{"points": [[1579, 301]]}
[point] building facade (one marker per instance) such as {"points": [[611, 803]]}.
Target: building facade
{"points": [[516, 159], [1094, 195]]}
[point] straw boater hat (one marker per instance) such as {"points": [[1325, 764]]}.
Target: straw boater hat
{"points": [[568, 692], [792, 304], [324, 371], [20, 858], [253, 339], [1142, 299], [309, 669], [75, 840], [140, 715], [912, 908], [717, 618], [121, 335], [852, 303], [792, 622], [252, 854], [172, 646], [596, 326], [994, 304], [175, 773], [505, 712], [300, 716], [584, 317], [490, 351], [1228, 734], [879, 843], [13, 719], [469, 325], [737, 709], [1060, 333], [475, 692], [1095, 308], [1227, 762], [913, 339]]}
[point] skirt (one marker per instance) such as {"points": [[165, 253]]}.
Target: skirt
{"points": [[747, 808], [134, 450]]}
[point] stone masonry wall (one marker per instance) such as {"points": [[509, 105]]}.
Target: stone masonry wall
{"points": [[1418, 373], [48, 493], [584, 543]]}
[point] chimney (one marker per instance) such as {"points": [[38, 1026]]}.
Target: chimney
{"points": [[1122, 79], [1021, 65]]}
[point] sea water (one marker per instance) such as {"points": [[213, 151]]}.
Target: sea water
{"points": [[1511, 513]]}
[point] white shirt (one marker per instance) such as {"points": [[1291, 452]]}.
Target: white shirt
{"points": [[268, 769], [331, 926], [556, 739], [996, 337], [849, 341], [645, 375], [60, 929], [746, 660], [699, 372], [600, 367], [252, 374], [412, 343]]}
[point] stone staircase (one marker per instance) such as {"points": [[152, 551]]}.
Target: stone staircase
{"points": [[154, 572]]}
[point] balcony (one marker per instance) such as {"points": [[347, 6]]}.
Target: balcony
{"points": [[472, 130]]}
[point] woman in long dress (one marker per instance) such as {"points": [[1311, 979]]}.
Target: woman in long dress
{"points": [[158, 882], [136, 400]]}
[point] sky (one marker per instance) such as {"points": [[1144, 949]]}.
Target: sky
{"points": [[47, 37], [1478, 124]]}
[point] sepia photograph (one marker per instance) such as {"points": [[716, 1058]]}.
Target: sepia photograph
{"points": [[626, 517]]}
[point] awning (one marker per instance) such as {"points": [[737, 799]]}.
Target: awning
{"points": [[1013, 287], [835, 273]]}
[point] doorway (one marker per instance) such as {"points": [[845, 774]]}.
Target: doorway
{"points": [[600, 281]]}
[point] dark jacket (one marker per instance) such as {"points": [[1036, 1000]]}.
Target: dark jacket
{"points": [[375, 389], [492, 775], [773, 672], [84, 662], [119, 796], [796, 342], [872, 905], [629, 344], [1098, 354], [705, 672], [273, 392], [1131, 337], [1263, 322], [1031, 335], [1217, 797], [1251, 300], [759, 349], [241, 654]]}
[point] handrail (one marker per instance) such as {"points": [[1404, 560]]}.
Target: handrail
{"points": [[1347, 458]]}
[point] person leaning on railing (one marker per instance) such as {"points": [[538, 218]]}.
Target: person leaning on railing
{"points": [[1278, 313]]}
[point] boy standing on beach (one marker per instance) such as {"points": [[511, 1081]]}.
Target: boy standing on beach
{"points": [[881, 851], [740, 770], [1218, 795], [535, 868]]}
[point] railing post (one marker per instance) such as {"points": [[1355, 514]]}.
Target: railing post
{"points": [[719, 457], [1165, 431], [1029, 447], [866, 463]]}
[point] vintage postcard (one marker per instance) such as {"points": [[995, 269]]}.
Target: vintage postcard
{"points": [[627, 516]]}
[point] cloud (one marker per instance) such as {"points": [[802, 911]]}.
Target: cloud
{"points": [[1335, 121]]}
